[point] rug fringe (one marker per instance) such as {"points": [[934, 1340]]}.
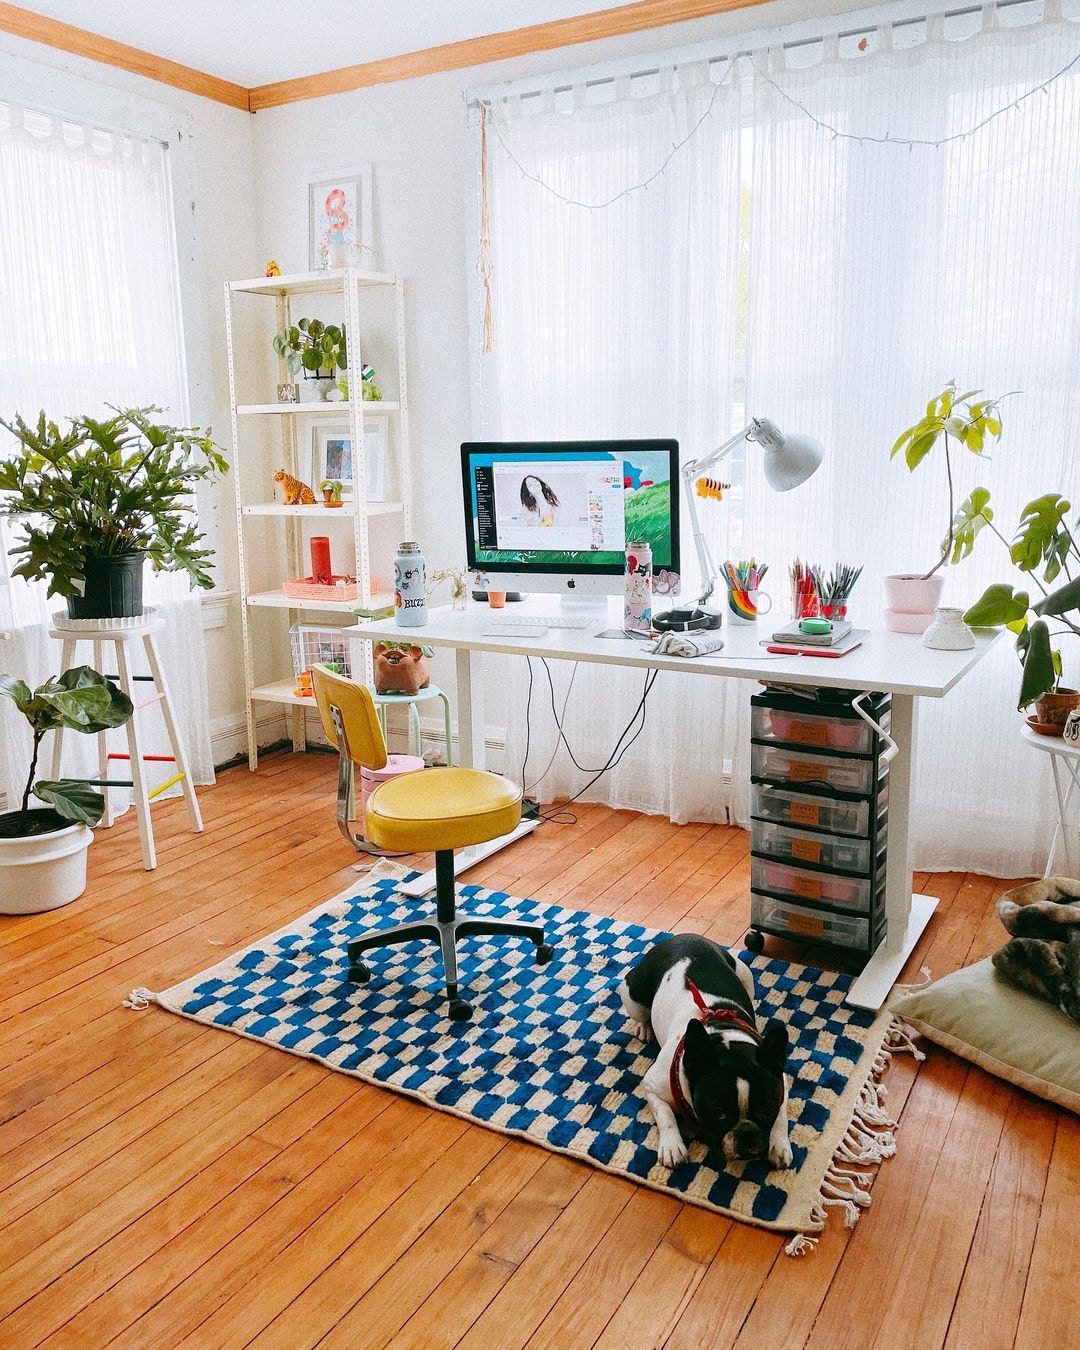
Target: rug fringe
{"points": [[139, 999], [868, 1140]]}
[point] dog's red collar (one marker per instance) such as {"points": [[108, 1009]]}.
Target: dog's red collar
{"points": [[708, 1014]]}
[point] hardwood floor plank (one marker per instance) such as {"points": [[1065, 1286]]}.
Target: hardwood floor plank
{"points": [[1050, 1315]]}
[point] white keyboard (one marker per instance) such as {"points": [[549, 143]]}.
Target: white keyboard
{"points": [[513, 622]]}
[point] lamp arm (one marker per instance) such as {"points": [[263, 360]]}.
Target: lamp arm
{"points": [[690, 471]]}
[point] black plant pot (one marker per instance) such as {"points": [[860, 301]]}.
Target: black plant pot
{"points": [[112, 590]]}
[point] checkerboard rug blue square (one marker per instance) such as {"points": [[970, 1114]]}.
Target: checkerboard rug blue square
{"points": [[548, 1054]]}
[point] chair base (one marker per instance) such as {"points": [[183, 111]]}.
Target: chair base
{"points": [[444, 930]]}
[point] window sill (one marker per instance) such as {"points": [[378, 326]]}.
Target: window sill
{"points": [[215, 608]]}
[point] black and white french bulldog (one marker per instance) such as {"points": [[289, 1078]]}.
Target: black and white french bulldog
{"points": [[714, 1068]]}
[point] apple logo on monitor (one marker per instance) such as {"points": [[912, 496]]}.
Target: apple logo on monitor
{"points": [[570, 583]]}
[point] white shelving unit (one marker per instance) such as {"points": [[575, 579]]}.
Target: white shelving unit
{"points": [[284, 425]]}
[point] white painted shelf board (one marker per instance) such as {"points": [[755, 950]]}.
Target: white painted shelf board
{"points": [[280, 691], [346, 511], [301, 283], [279, 600], [317, 409]]}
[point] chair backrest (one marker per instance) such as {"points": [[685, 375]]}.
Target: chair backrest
{"points": [[367, 745]]}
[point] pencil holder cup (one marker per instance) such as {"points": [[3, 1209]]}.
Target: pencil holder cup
{"points": [[747, 606]]}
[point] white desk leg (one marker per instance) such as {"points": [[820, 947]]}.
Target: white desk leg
{"points": [[472, 751], [67, 655], [906, 915]]}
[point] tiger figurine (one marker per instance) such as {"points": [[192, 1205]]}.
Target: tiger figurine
{"points": [[296, 493]]}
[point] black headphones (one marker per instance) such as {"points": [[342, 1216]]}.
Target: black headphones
{"points": [[686, 620]]}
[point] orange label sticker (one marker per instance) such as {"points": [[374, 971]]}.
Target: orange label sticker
{"points": [[810, 733], [803, 771], [805, 813], [809, 850], [808, 887], [805, 923]]}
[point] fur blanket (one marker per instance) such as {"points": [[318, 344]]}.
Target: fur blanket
{"points": [[1044, 954]]}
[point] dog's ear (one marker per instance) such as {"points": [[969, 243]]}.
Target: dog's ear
{"points": [[699, 1052], [772, 1053]]}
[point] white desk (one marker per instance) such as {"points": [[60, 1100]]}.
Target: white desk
{"points": [[888, 662]]}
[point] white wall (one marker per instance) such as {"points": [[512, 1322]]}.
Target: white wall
{"points": [[221, 192]]}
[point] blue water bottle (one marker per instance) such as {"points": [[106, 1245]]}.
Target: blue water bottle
{"points": [[410, 586]]}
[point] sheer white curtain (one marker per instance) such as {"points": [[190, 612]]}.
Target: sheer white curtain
{"points": [[89, 316], [616, 322], [878, 272]]}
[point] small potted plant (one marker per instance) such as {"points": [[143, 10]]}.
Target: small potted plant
{"points": [[99, 499], [969, 420], [318, 349], [1045, 549], [43, 849], [331, 491]]}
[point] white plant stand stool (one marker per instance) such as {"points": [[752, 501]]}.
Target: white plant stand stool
{"points": [[119, 633], [1065, 762]]}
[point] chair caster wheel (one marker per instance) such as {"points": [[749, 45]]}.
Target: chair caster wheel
{"points": [[359, 973], [460, 1011], [755, 940], [544, 953]]}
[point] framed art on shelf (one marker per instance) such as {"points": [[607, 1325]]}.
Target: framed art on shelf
{"points": [[340, 222], [332, 456]]}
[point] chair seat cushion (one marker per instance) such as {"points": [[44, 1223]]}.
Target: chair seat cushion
{"points": [[441, 809]]}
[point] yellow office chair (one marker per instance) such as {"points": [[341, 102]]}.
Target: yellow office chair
{"points": [[431, 809]]}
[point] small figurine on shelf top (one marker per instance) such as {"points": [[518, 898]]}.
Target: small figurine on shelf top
{"points": [[331, 491], [296, 493], [272, 269]]}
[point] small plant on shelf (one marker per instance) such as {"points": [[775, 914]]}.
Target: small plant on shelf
{"points": [[331, 491], [318, 349]]}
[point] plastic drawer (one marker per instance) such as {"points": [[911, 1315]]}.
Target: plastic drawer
{"points": [[824, 850], [780, 917], [845, 775], [830, 888], [816, 813], [806, 728]]}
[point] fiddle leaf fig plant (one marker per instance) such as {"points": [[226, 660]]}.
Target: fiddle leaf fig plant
{"points": [[78, 700], [970, 420], [316, 348]]}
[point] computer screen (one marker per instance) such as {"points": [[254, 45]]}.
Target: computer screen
{"points": [[568, 508]]}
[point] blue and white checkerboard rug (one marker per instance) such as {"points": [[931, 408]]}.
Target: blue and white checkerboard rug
{"points": [[548, 1054]]}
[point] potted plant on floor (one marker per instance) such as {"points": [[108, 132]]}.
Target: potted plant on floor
{"points": [[970, 420], [102, 497], [1045, 549], [43, 849]]}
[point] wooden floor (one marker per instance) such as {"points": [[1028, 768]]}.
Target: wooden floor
{"points": [[166, 1183]]}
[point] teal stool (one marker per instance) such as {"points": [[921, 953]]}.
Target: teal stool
{"points": [[384, 701]]}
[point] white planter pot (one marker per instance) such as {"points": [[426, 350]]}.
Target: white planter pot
{"points": [[43, 871]]}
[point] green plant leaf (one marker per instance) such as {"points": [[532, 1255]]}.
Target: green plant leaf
{"points": [[974, 515], [998, 605], [72, 799], [1061, 601], [1040, 674], [1042, 535], [920, 447], [16, 690]]}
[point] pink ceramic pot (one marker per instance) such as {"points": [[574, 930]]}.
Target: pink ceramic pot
{"points": [[910, 599]]}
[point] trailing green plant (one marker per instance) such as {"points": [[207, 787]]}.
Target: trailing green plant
{"points": [[970, 420], [78, 700], [312, 346], [103, 488], [1044, 547]]}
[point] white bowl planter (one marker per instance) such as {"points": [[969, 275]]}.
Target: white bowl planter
{"points": [[43, 871]]}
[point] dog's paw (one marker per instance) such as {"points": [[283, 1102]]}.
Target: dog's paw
{"points": [[641, 1030], [671, 1150], [780, 1153]]}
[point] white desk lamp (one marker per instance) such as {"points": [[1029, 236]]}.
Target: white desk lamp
{"points": [[789, 461]]}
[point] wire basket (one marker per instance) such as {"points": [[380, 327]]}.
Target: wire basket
{"points": [[312, 645]]}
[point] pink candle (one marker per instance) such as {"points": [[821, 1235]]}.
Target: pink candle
{"points": [[321, 570]]}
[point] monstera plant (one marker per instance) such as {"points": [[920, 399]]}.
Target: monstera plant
{"points": [[1044, 548]]}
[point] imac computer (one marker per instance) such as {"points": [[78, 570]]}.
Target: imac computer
{"points": [[556, 516]]}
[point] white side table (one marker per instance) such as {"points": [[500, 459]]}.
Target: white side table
{"points": [[121, 632], [1065, 762]]}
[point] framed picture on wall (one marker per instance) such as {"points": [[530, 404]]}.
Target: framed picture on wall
{"points": [[332, 456], [340, 221]]}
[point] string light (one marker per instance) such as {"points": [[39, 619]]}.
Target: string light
{"points": [[837, 134]]}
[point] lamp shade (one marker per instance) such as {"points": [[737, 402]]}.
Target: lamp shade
{"points": [[790, 459]]}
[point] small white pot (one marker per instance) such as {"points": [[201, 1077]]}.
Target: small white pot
{"points": [[949, 632], [43, 871]]}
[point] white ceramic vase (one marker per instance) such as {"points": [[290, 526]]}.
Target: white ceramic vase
{"points": [[949, 632], [43, 871]]}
